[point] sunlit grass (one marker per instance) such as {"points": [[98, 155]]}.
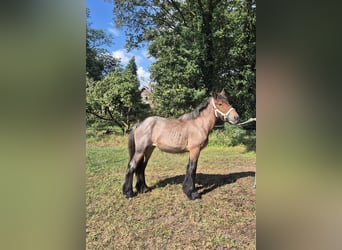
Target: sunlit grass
{"points": [[165, 218]]}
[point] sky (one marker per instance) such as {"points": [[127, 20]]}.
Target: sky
{"points": [[101, 17]]}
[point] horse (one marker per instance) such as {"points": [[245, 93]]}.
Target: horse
{"points": [[188, 133]]}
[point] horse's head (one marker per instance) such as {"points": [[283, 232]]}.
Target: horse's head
{"points": [[223, 109]]}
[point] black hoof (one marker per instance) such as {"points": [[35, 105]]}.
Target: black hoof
{"points": [[127, 192], [194, 196], [130, 194], [143, 188]]}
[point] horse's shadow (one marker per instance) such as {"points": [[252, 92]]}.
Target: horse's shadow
{"points": [[206, 182]]}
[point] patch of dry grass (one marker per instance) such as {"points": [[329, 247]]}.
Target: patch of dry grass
{"points": [[225, 217]]}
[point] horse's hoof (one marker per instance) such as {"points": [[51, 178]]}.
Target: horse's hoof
{"points": [[143, 189], [194, 196], [128, 193], [146, 190]]}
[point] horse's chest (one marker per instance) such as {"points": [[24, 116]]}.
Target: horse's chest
{"points": [[204, 144]]}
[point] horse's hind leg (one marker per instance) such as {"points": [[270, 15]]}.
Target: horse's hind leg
{"points": [[127, 187], [140, 171]]}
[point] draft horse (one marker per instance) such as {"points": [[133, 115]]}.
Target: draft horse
{"points": [[188, 133]]}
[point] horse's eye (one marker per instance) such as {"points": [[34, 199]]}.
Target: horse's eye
{"points": [[220, 103]]}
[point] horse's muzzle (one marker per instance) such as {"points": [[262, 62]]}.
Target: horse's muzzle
{"points": [[233, 119]]}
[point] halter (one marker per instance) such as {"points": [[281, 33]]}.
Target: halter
{"points": [[225, 115]]}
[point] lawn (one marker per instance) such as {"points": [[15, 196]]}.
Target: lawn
{"points": [[225, 217]]}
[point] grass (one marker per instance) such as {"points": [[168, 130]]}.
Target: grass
{"points": [[224, 218]]}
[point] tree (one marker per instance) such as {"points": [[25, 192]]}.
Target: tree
{"points": [[238, 74], [131, 67], [175, 100], [200, 46], [115, 101]]}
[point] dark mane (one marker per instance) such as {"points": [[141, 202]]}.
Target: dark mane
{"points": [[194, 114]]}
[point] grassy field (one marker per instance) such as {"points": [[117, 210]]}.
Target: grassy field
{"points": [[225, 217]]}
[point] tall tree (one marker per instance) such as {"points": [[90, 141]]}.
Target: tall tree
{"points": [[239, 73], [200, 46], [131, 67]]}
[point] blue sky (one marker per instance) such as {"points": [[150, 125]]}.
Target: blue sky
{"points": [[101, 17]]}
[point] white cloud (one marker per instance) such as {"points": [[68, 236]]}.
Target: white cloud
{"points": [[124, 57], [143, 76], [147, 56], [114, 31], [111, 29], [138, 59]]}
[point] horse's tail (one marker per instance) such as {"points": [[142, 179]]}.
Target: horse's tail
{"points": [[131, 142]]}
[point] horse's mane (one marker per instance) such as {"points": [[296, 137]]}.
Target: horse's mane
{"points": [[194, 114]]}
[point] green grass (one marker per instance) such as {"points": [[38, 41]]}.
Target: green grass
{"points": [[165, 219]]}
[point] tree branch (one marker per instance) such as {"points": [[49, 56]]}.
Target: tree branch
{"points": [[121, 124], [97, 115], [174, 4]]}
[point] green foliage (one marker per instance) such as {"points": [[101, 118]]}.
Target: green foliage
{"points": [[114, 101], [98, 61], [233, 136], [94, 65], [179, 87], [237, 75], [177, 62], [175, 100], [199, 46], [131, 67]]}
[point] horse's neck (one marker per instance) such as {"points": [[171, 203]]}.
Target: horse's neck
{"points": [[207, 118]]}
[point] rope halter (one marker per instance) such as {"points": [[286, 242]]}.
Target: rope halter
{"points": [[225, 115]]}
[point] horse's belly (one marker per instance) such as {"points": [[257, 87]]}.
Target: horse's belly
{"points": [[171, 148]]}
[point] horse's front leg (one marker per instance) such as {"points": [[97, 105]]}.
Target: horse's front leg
{"points": [[190, 176]]}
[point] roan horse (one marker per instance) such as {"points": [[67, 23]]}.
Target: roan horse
{"points": [[188, 133]]}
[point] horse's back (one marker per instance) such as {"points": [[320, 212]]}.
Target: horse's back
{"points": [[155, 124]]}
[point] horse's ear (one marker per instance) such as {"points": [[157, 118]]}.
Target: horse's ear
{"points": [[223, 93]]}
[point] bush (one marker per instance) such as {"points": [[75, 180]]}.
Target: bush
{"points": [[231, 135]]}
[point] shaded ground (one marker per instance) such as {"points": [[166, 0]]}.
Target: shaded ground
{"points": [[225, 217], [206, 182]]}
